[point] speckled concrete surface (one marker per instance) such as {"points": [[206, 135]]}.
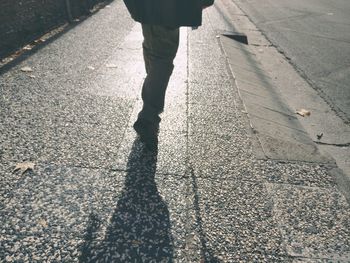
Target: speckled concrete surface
{"points": [[97, 195]]}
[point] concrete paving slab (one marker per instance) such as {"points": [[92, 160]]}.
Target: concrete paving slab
{"points": [[55, 201], [245, 64], [277, 148], [257, 89], [298, 174], [25, 139], [94, 110], [113, 78], [202, 38], [38, 249], [206, 62], [221, 156], [212, 119], [215, 95], [87, 145], [77, 108], [8, 180], [238, 221], [29, 136], [115, 83], [213, 74], [253, 94], [313, 221], [174, 117]]}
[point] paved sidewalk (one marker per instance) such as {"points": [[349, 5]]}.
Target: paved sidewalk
{"points": [[96, 195]]}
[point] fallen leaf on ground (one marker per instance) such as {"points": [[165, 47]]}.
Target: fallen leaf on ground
{"points": [[32, 76], [26, 69], [23, 167], [39, 41], [91, 67], [303, 112]]}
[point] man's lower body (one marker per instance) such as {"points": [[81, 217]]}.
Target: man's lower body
{"points": [[160, 46]]}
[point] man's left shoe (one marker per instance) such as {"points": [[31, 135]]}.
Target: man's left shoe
{"points": [[148, 133]]}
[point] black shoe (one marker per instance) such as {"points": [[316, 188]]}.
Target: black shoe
{"points": [[148, 133]]}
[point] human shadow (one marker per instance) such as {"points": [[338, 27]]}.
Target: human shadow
{"points": [[139, 230]]}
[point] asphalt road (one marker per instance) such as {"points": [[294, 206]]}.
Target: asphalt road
{"points": [[315, 35]]}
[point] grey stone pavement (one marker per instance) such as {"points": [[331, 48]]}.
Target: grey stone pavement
{"points": [[96, 195]]}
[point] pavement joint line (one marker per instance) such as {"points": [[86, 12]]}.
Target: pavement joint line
{"points": [[252, 93], [284, 161], [279, 124], [206, 104], [299, 186], [325, 164], [264, 181], [280, 112], [219, 135], [341, 145], [204, 250]]}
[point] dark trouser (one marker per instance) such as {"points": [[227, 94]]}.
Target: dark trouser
{"points": [[159, 50]]}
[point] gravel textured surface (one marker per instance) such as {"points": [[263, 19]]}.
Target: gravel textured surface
{"points": [[97, 195]]}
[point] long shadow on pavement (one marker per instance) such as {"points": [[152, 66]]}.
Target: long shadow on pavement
{"points": [[139, 230]]}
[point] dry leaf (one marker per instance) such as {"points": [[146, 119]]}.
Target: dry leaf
{"points": [[303, 112], [26, 69], [32, 76], [23, 167], [91, 67], [39, 41], [111, 66]]}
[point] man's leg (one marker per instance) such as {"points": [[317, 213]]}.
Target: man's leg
{"points": [[159, 49]]}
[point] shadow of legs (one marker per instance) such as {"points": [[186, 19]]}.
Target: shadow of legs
{"points": [[139, 230]]}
